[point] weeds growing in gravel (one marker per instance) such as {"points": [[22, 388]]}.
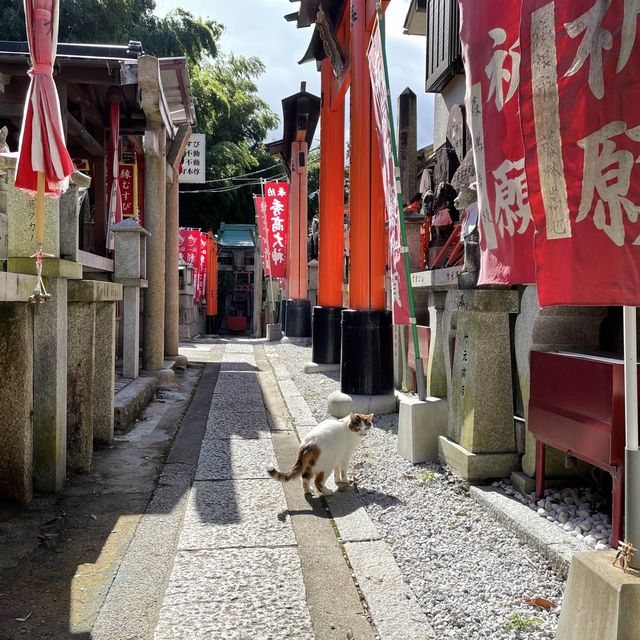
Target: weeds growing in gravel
{"points": [[428, 477], [515, 622]]}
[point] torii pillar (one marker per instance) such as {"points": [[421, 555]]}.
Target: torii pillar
{"points": [[298, 309], [325, 346], [367, 338]]}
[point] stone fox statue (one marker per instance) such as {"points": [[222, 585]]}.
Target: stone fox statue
{"points": [[327, 449]]}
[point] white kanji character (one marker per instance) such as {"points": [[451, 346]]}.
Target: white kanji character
{"points": [[276, 207], [277, 256], [277, 224], [512, 197], [497, 71], [278, 240], [629, 26], [595, 40], [607, 178], [271, 192], [282, 192]]}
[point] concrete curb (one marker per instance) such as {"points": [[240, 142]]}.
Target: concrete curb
{"points": [[393, 607], [551, 542]]}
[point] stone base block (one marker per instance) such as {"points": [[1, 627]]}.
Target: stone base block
{"points": [[601, 601], [420, 424], [180, 363], [476, 467], [314, 367], [274, 332], [522, 482], [130, 402], [165, 378], [341, 404]]}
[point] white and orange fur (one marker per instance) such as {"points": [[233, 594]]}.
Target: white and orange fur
{"points": [[327, 449]]}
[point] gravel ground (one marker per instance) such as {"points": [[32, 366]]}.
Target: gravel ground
{"points": [[470, 575]]}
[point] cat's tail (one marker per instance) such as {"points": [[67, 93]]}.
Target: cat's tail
{"points": [[307, 456]]}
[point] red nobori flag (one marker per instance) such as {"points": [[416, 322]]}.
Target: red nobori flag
{"points": [[276, 195], [490, 35], [261, 217], [580, 90], [190, 251], [399, 288]]}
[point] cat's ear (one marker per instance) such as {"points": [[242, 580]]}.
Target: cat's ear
{"points": [[368, 417]]}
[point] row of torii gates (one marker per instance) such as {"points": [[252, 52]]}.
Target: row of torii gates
{"points": [[359, 337]]}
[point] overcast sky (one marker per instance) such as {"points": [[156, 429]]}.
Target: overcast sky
{"points": [[258, 28]]}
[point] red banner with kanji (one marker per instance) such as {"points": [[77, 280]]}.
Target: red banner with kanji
{"points": [[192, 248], [261, 217], [399, 288], [490, 35], [276, 196], [580, 91]]}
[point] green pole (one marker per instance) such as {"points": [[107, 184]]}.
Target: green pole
{"points": [[422, 393]]}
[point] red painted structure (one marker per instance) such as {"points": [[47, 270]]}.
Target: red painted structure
{"points": [[577, 406], [331, 194]]}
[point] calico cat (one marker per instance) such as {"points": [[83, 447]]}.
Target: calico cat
{"points": [[327, 448]]}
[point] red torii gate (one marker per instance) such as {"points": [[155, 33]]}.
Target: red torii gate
{"points": [[339, 45]]}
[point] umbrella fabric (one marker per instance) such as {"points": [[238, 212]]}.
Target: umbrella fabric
{"points": [[115, 198], [42, 146]]}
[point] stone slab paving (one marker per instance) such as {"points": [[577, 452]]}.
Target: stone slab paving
{"points": [[235, 458], [265, 598], [237, 574], [235, 424]]}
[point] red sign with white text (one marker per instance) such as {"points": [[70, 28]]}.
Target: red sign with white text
{"points": [[192, 248], [276, 197], [261, 217], [399, 289], [490, 35], [580, 90]]}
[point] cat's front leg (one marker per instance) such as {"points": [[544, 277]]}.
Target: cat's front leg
{"points": [[343, 482]]}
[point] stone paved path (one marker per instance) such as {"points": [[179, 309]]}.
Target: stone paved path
{"points": [[256, 560], [237, 572]]}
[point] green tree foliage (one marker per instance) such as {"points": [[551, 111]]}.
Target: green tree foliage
{"points": [[228, 107], [236, 121]]}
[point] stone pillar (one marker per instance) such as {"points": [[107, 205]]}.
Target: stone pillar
{"points": [[408, 143], [69, 216], [172, 295], [104, 371], [50, 388], [549, 329], [130, 272], [80, 383], [175, 151], [155, 219], [436, 369], [49, 324], [16, 401], [481, 437]]}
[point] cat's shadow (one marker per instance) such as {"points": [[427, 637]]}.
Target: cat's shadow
{"points": [[340, 504]]}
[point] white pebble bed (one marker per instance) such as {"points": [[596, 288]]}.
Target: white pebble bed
{"points": [[469, 574], [571, 509]]}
